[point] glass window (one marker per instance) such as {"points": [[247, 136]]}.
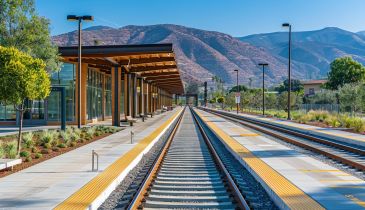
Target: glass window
{"points": [[7, 113], [108, 95], [122, 111], [94, 94]]}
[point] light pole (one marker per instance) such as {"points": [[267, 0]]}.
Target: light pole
{"points": [[79, 19], [289, 65], [263, 86], [238, 91]]}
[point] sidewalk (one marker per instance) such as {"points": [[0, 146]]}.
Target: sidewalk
{"points": [[46, 184]]}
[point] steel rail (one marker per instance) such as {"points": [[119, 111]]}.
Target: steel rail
{"points": [[241, 202], [138, 199]]}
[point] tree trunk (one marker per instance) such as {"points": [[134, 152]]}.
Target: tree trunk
{"points": [[21, 111]]}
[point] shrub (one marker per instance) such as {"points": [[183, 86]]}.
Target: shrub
{"points": [[28, 159], [358, 124], [1, 150], [47, 145], [46, 137], [35, 150], [72, 144], [38, 155], [24, 154], [90, 132], [332, 121], [305, 118], [62, 145], [75, 137], [98, 133], [10, 149], [66, 137], [69, 130], [28, 139], [76, 130]]}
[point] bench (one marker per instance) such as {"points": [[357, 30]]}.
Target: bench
{"points": [[131, 120], [150, 113], [9, 163]]}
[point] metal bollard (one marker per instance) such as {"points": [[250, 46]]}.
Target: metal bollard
{"points": [[132, 136], [93, 154]]}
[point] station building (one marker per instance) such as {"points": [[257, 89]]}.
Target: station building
{"points": [[116, 81]]}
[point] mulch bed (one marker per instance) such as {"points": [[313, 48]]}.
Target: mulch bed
{"points": [[318, 124], [45, 157]]}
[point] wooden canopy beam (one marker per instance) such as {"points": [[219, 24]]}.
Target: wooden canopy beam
{"points": [[152, 68]]}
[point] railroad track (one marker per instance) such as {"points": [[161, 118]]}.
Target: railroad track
{"points": [[188, 175], [347, 155]]}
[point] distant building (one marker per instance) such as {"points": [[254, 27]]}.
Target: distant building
{"points": [[311, 87]]}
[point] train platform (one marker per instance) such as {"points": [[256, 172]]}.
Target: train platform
{"points": [[337, 134], [294, 180], [58, 182]]}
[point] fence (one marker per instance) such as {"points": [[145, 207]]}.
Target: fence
{"points": [[324, 107]]}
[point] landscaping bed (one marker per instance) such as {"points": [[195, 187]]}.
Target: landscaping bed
{"points": [[42, 145], [323, 119]]}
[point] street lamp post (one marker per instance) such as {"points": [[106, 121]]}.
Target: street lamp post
{"points": [[79, 19], [289, 65], [238, 91], [263, 86]]}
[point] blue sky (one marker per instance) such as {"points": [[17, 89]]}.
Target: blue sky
{"points": [[235, 17]]}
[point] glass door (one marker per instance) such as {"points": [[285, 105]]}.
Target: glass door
{"points": [[35, 112]]}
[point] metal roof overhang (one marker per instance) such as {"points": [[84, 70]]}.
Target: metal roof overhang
{"points": [[154, 62]]}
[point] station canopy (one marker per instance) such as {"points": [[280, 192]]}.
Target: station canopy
{"points": [[154, 62]]}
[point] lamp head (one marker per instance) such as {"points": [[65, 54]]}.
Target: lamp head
{"points": [[236, 70], [72, 17], [87, 18], [263, 64], [286, 25]]}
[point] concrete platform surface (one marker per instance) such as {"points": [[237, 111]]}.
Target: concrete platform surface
{"points": [[329, 186], [45, 185]]}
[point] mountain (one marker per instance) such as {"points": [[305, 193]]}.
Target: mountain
{"points": [[200, 54], [313, 50]]}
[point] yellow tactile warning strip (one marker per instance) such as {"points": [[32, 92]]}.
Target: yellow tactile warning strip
{"points": [[356, 200], [250, 134], [291, 195], [82, 198]]}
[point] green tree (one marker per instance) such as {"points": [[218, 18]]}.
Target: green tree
{"points": [[231, 100], [235, 89], [270, 100], [351, 97], [21, 77], [296, 86], [22, 28], [221, 100], [344, 70], [283, 100], [323, 97], [192, 88]]}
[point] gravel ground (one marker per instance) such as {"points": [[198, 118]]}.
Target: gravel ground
{"points": [[123, 194]]}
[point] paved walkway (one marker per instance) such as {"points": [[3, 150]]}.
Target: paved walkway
{"points": [[329, 186], [46, 184], [12, 129]]}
